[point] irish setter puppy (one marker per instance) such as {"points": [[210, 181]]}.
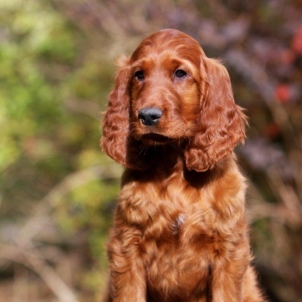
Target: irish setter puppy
{"points": [[180, 232]]}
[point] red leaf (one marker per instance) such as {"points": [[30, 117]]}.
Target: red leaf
{"points": [[297, 41], [283, 93], [288, 56], [272, 131]]}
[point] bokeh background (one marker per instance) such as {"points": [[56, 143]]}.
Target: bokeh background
{"points": [[58, 190]]}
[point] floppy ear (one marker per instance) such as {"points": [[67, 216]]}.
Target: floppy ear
{"points": [[221, 121], [116, 120], [116, 141]]}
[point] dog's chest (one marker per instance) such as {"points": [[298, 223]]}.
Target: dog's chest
{"points": [[176, 226], [176, 253], [176, 236], [177, 259], [172, 215]]}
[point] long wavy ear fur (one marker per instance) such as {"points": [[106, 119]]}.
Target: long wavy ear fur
{"points": [[221, 123], [116, 120]]}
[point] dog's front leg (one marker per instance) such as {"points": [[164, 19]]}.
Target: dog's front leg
{"points": [[227, 280], [127, 280]]}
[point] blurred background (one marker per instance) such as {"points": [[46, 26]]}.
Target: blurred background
{"points": [[58, 190]]}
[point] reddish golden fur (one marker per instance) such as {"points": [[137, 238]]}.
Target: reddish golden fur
{"points": [[180, 232]]}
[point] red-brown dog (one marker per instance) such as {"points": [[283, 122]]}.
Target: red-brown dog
{"points": [[180, 232]]}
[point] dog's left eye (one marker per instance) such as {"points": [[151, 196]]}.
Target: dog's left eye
{"points": [[139, 75], [180, 74]]}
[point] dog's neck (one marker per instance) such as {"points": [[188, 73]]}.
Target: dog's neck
{"points": [[162, 162], [159, 161]]}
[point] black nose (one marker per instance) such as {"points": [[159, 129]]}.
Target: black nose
{"points": [[150, 115]]}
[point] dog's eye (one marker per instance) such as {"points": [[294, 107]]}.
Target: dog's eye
{"points": [[139, 75], [180, 74]]}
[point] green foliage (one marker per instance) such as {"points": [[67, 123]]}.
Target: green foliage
{"points": [[29, 104], [52, 89]]}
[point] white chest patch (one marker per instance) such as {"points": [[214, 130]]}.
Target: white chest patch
{"points": [[177, 224]]}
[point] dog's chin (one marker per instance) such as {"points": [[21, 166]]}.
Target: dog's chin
{"points": [[152, 139]]}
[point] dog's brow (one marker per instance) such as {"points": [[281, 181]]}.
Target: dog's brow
{"points": [[188, 64], [138, 64], [182, 63]]}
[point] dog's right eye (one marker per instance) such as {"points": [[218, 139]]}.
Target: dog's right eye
{"points": [[139, 75], [180, 74]]}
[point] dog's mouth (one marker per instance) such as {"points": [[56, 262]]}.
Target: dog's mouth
{"points": [[156, 139]]}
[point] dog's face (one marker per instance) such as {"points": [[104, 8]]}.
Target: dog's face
{"points": [[169, 91], [165, 89]]}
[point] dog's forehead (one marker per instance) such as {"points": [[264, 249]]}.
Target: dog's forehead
{"points": [[168, 43]]}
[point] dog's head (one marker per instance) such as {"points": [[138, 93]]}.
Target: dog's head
{"points": [[167, 92]]}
